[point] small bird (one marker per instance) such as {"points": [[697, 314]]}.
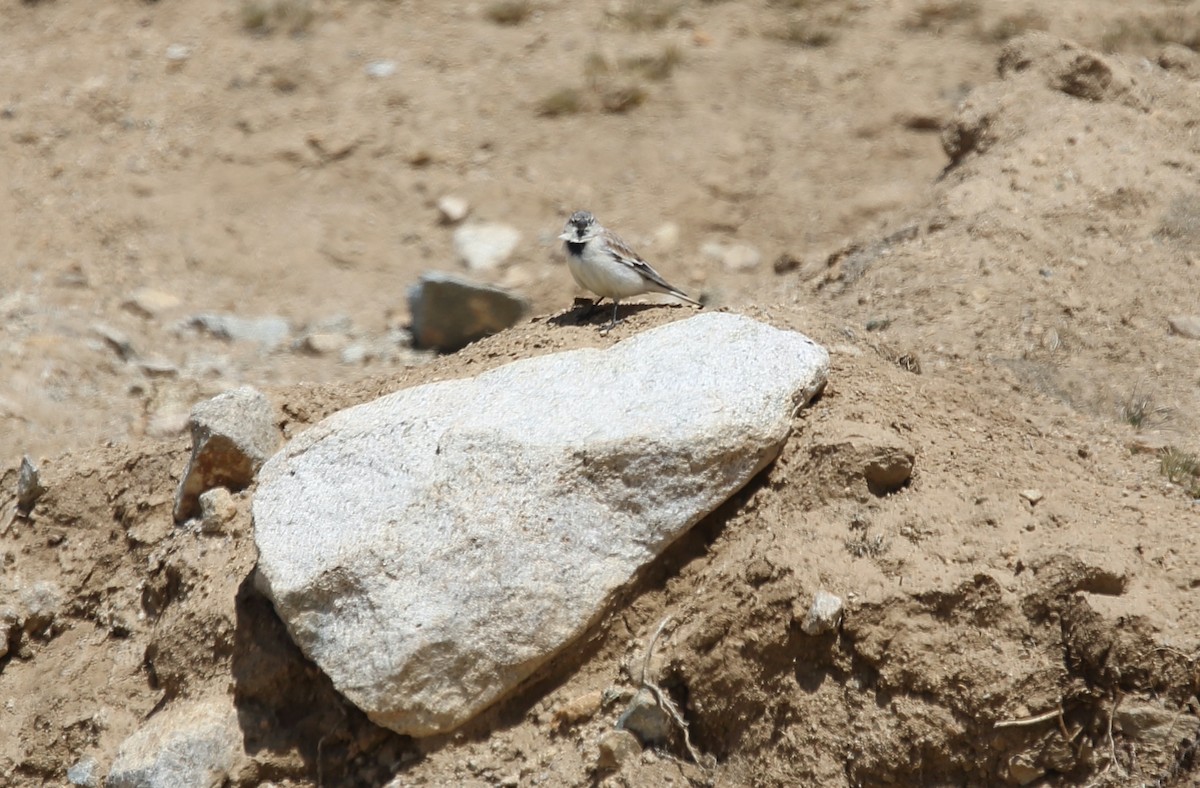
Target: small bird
{"points": [[606, 265]]}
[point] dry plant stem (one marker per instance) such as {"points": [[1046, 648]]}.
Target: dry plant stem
{"points": [[1045, 717], [664, 700]]}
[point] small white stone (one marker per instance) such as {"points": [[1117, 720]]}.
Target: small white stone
{"points": [[734, 257], [381, 69], [823, 615], [453, 209], [178, 52], [666, 237], [485, 246], [1032, 495]]}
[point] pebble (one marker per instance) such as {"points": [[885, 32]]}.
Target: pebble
{"points": [[233, 434], [579, 709], [178, 52], [453, 209], [666, 237], [616, 749], [823, 615], [10, 624], [449, 313], [42, 601], [29, 486], [734, 257], [116, 339], [485, 246], [1032, 495], [148, 302], [158, 367], [1187, 326], [217, 511], [269, 332], [381, 69], [320, 344]]}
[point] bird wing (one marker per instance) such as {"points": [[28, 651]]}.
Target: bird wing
{"points": [[623, 253]]}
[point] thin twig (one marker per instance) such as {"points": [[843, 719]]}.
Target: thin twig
{"points": [[1045, 717]]}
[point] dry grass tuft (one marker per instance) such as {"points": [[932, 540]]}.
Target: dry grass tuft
{"points": [[935, 14], [270, 16], [1182, 468], [509, 13], [564, 101]]}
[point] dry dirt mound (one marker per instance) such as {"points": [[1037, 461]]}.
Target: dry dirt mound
{"points": [[1024, 607]]}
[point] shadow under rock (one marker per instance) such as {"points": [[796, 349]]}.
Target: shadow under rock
{"points": [[295, 725]]}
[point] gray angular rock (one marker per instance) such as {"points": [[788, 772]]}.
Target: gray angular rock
{"points": [[485, 246], [194, 745], [431, 549], [449, 313], [232, 436], [29, 486], [645, 719]]}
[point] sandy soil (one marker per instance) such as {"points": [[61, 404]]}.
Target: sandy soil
{"points": [[990, 234]]}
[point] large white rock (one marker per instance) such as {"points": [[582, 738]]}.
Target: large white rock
{"points": [[429, 550]]}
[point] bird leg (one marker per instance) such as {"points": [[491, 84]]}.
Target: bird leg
{"points": [[612, 323]]}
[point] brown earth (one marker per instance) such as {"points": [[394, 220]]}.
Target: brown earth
{"points": [[994, 279]]}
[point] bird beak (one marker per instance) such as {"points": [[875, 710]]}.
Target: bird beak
{"points": [[567, 236]]}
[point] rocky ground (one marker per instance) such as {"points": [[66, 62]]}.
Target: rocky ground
{"points": [[994, 231]]}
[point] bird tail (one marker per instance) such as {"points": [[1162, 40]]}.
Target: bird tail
{"points": [[682, 296]]}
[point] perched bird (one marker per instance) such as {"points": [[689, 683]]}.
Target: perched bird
{"points": [[603, 263]]}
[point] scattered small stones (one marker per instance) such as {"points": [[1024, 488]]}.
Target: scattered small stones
{"points": [[269, 332], [646, 719], [823, 615], [453, 209], [734, 257], [150, 303], [194, 745], [617, 748], [29, 487], [1032, 495], [449, 313], [233, 434], [1187, 326], [381, 69], [485, 246]]}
